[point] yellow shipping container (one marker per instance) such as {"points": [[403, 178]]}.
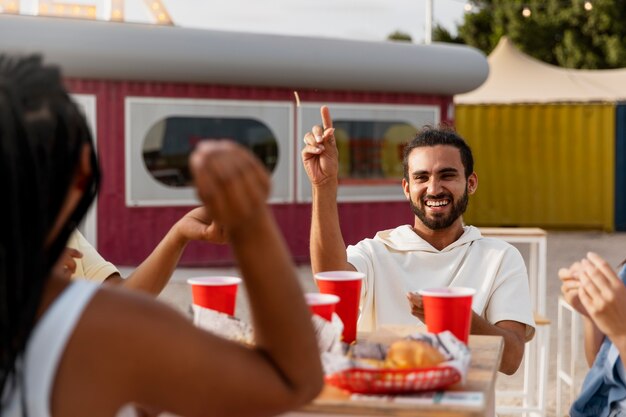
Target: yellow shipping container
{"points": [[545, 165]]}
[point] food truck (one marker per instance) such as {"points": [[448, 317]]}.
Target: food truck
{"points": [[151, 92]]}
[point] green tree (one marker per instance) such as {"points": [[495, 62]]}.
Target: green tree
{"points": [[399, 36], [559, 32], [441, 34]]}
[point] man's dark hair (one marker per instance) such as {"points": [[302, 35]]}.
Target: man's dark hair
{"points": [[42, 137], [439, 135]]}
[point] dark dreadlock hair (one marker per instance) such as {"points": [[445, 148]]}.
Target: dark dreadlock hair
{"points": [[42, 134]]}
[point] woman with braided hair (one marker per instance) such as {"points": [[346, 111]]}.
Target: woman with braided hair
{"points": [[149, 358]]}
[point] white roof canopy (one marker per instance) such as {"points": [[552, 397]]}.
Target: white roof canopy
{"points": [[515, 77]]}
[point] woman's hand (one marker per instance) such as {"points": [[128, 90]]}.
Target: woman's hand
{"points": [[603, 296], [198, 225], [570, 283], [231, 182]]}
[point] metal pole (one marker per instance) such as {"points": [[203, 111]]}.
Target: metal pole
{"points": [[428, 26]]}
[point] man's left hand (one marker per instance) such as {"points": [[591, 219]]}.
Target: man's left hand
{"points": [[417, 305]]}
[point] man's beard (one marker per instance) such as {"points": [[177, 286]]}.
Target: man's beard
{"points": [[441, 222]]}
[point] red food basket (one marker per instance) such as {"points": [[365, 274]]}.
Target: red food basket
{"points": [[394, 381]]}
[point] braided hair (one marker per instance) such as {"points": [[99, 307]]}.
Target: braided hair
{"points": [[42, 135]]}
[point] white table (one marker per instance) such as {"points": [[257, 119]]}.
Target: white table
{"points": [[486, 356]]}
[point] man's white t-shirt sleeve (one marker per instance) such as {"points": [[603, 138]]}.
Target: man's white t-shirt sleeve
{"points": [[359, 258], [92, 266], [510, 298]]}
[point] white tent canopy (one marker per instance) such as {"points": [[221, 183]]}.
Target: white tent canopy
{"points": [[515, 77]]}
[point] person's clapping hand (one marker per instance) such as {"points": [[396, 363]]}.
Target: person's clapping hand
{"points": [[603, 296], [570, 283], [198, 225], [231, 182]]}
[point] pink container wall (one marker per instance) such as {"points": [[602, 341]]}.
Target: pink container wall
{"points": [[126, 235]]}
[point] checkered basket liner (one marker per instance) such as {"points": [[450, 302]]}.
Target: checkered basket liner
{"points": [[394, 381]]}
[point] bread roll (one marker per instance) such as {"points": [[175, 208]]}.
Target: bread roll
{"points": [[374, 363], [405, 354]]}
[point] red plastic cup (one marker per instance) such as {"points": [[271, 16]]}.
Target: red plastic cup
{"points": [[216, 293], [322, 304], [347, 286], [448, 308]]}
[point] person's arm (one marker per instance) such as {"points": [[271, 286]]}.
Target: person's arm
{"points": [[592, 340], [327, 247], [620, 344], [182, 369], [321, 161], [508, 313], [513, 333], [235, 186], [570, 284], [155, 271]]}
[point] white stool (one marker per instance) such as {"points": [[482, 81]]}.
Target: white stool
{"points": [[566, 376], [537, 351], [535, 363]]}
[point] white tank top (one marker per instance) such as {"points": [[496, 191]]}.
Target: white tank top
{"points": [[43, 352]]}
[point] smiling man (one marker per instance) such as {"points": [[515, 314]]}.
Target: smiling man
{"points": [[436, 251]]}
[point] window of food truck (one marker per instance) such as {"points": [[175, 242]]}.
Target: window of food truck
{"points": [[161, 132], [371, 151], [169, 141], [370, 140], [87, 103]]}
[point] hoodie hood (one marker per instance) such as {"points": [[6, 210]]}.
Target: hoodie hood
{"points": [[403, 238]]}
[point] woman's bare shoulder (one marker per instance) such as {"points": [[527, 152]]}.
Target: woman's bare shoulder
{"points": [[123, 339]]}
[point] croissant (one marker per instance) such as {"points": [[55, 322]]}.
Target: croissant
{"points": [[412, 354]]}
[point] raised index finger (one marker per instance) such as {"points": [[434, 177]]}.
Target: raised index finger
{"points": [[326, 119]]}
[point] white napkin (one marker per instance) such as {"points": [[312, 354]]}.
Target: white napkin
{"points": [[232, 328], [457, 354], [226, 326]]}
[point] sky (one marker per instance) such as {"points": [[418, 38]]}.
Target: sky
{"points": [[351, 19]]}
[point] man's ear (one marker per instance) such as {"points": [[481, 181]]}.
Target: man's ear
{"points": [[405, 188], [472, 183]]}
